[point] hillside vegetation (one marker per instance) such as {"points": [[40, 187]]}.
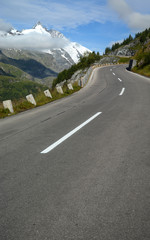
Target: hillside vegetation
{"points": [[118, 45], [139, 48], [13, 90], [138, 41], [143, 60], [14, 83], [84, 62]]}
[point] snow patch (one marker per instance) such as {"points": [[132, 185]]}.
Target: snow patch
{"points": [[48, 51]]}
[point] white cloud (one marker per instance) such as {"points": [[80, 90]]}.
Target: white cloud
{"points": [[4, 27], [34, 41], [71, 14], [139, 6], [58, 14], [135, 20], [139, 21]]}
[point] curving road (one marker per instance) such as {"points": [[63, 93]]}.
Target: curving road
{"points": [[78, 168]]}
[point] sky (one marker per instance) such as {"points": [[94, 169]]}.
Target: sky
{"points": [[95, 24]]}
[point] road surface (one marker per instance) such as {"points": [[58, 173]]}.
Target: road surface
{"points": [[78, 168]]}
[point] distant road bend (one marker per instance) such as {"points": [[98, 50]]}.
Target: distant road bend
{"points": [[78, 168]]}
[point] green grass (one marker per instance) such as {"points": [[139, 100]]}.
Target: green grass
{"points": [[4, 112], [145, 71], [22, 105], [124, 60], [14, 71], [136, 47]]}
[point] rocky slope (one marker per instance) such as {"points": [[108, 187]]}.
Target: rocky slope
{"points": [[130, 46], [126, 50]]}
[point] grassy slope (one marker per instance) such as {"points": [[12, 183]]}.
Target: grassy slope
{"points": [[123, 60], [10, 89], [145, 71], [15, 84], [143, 60], [14, 71]]}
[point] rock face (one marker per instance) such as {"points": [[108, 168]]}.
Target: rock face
{"points": [[109, 59], [123, 51], [127, 50]]}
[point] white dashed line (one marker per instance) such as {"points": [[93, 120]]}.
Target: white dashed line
{"points": [[119, 79], [114, 74], [70, 134], [122, 91]]}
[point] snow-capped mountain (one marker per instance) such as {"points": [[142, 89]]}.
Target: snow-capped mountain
{"points": [[40, 53], [71, 51]]}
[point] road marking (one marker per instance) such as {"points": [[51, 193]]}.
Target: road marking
{"points": [[70, 133], [119, 79], [114, 74], [110, 69], [122, 91]]}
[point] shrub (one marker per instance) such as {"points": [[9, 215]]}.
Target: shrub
{"points": [[4, 112]]}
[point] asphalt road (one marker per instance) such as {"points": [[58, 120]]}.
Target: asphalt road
{"points": [[95, 183]]}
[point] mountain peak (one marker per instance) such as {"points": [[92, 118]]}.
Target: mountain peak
{"points": [[39, 23], [39, 26]]}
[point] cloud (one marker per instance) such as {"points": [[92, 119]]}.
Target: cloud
{"points": [[32, 41], [4, 27], [58, 14], [135, 20], [139, 6]]}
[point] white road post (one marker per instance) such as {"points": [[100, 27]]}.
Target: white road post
{"points": [[59, 89], [31, 99], [69, 85], [47, 93], [8, 104]]}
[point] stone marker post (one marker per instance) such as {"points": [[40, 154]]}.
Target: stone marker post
{"points": [[59, 89], [47, 93], [69, 85], [31, 99], [8, 104]]}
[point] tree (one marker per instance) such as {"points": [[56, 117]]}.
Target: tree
{"points": [[107, 50]]}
